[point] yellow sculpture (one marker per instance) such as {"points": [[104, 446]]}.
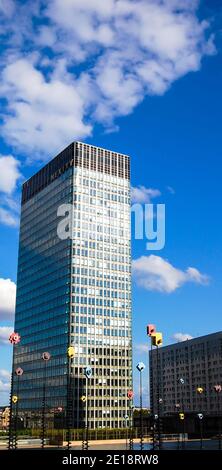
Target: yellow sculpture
{"points": [[71, 352], [157, 339]]}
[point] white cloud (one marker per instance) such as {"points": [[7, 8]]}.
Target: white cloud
{"points": [[157, 274], [142, 347], [179, 337], [4, 386], [5, 332], [11, 202], [5, 379], [5, 374], [7, 298], [142, 195], [9, 173], [7, 7], [195, 276], [9, 176], [8, 218], [91, 19], [130, 49], [45, 115]]}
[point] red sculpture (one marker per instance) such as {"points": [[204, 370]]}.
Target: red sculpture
{"points": [[150, 329], [14, 338]]}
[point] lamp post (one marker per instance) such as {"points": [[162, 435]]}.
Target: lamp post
{"points": [[182, 419], [200, 416], [69, 403], [177, 406], [200, 391], [45, 357], [126, 417], [85, 443], [182, 382], [150, 330], [18, 372], [157, 341], [218, 390], [14, 339], [140, 367], [131, 408]]}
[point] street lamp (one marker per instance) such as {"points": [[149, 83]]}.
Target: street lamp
{"points": [[45, 357], [85, 442], [140, 367], [200, 416], [182, 382], [157, 341], [126, 418], [218, 389], [131, 408], [150, 330], [200, 391], [69, 402], [14, 339], [18, 372]]}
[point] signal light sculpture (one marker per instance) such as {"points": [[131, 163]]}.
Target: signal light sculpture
{"points": [[69, 402], [140, 367], [71, 352], [156, 340], [85, 443], [150, 329], [200, 391], [130, 395], [218, 390], [14, 339], [46, 356]]}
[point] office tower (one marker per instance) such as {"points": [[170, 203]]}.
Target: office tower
{"points": [[74, 286], [198, 363]]}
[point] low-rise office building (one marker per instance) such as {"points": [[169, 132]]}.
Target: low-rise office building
{"points": [[198, 362]]}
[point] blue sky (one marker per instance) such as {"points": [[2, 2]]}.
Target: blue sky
{"points": [[143, 78]]}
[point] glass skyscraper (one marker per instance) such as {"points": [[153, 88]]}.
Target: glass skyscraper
{"points": [[74, 286]]}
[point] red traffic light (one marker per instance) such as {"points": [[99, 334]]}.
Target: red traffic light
{"points": [[14, 338], [150, 330], [130, 394]]}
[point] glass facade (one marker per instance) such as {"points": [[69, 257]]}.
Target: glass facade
{"points": [[77, 290]]}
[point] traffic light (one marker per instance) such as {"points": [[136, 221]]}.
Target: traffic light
{"points": [[157, 339], [71, 352], [88, 372], [140, 366], [151, 329], [181, 416]]}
